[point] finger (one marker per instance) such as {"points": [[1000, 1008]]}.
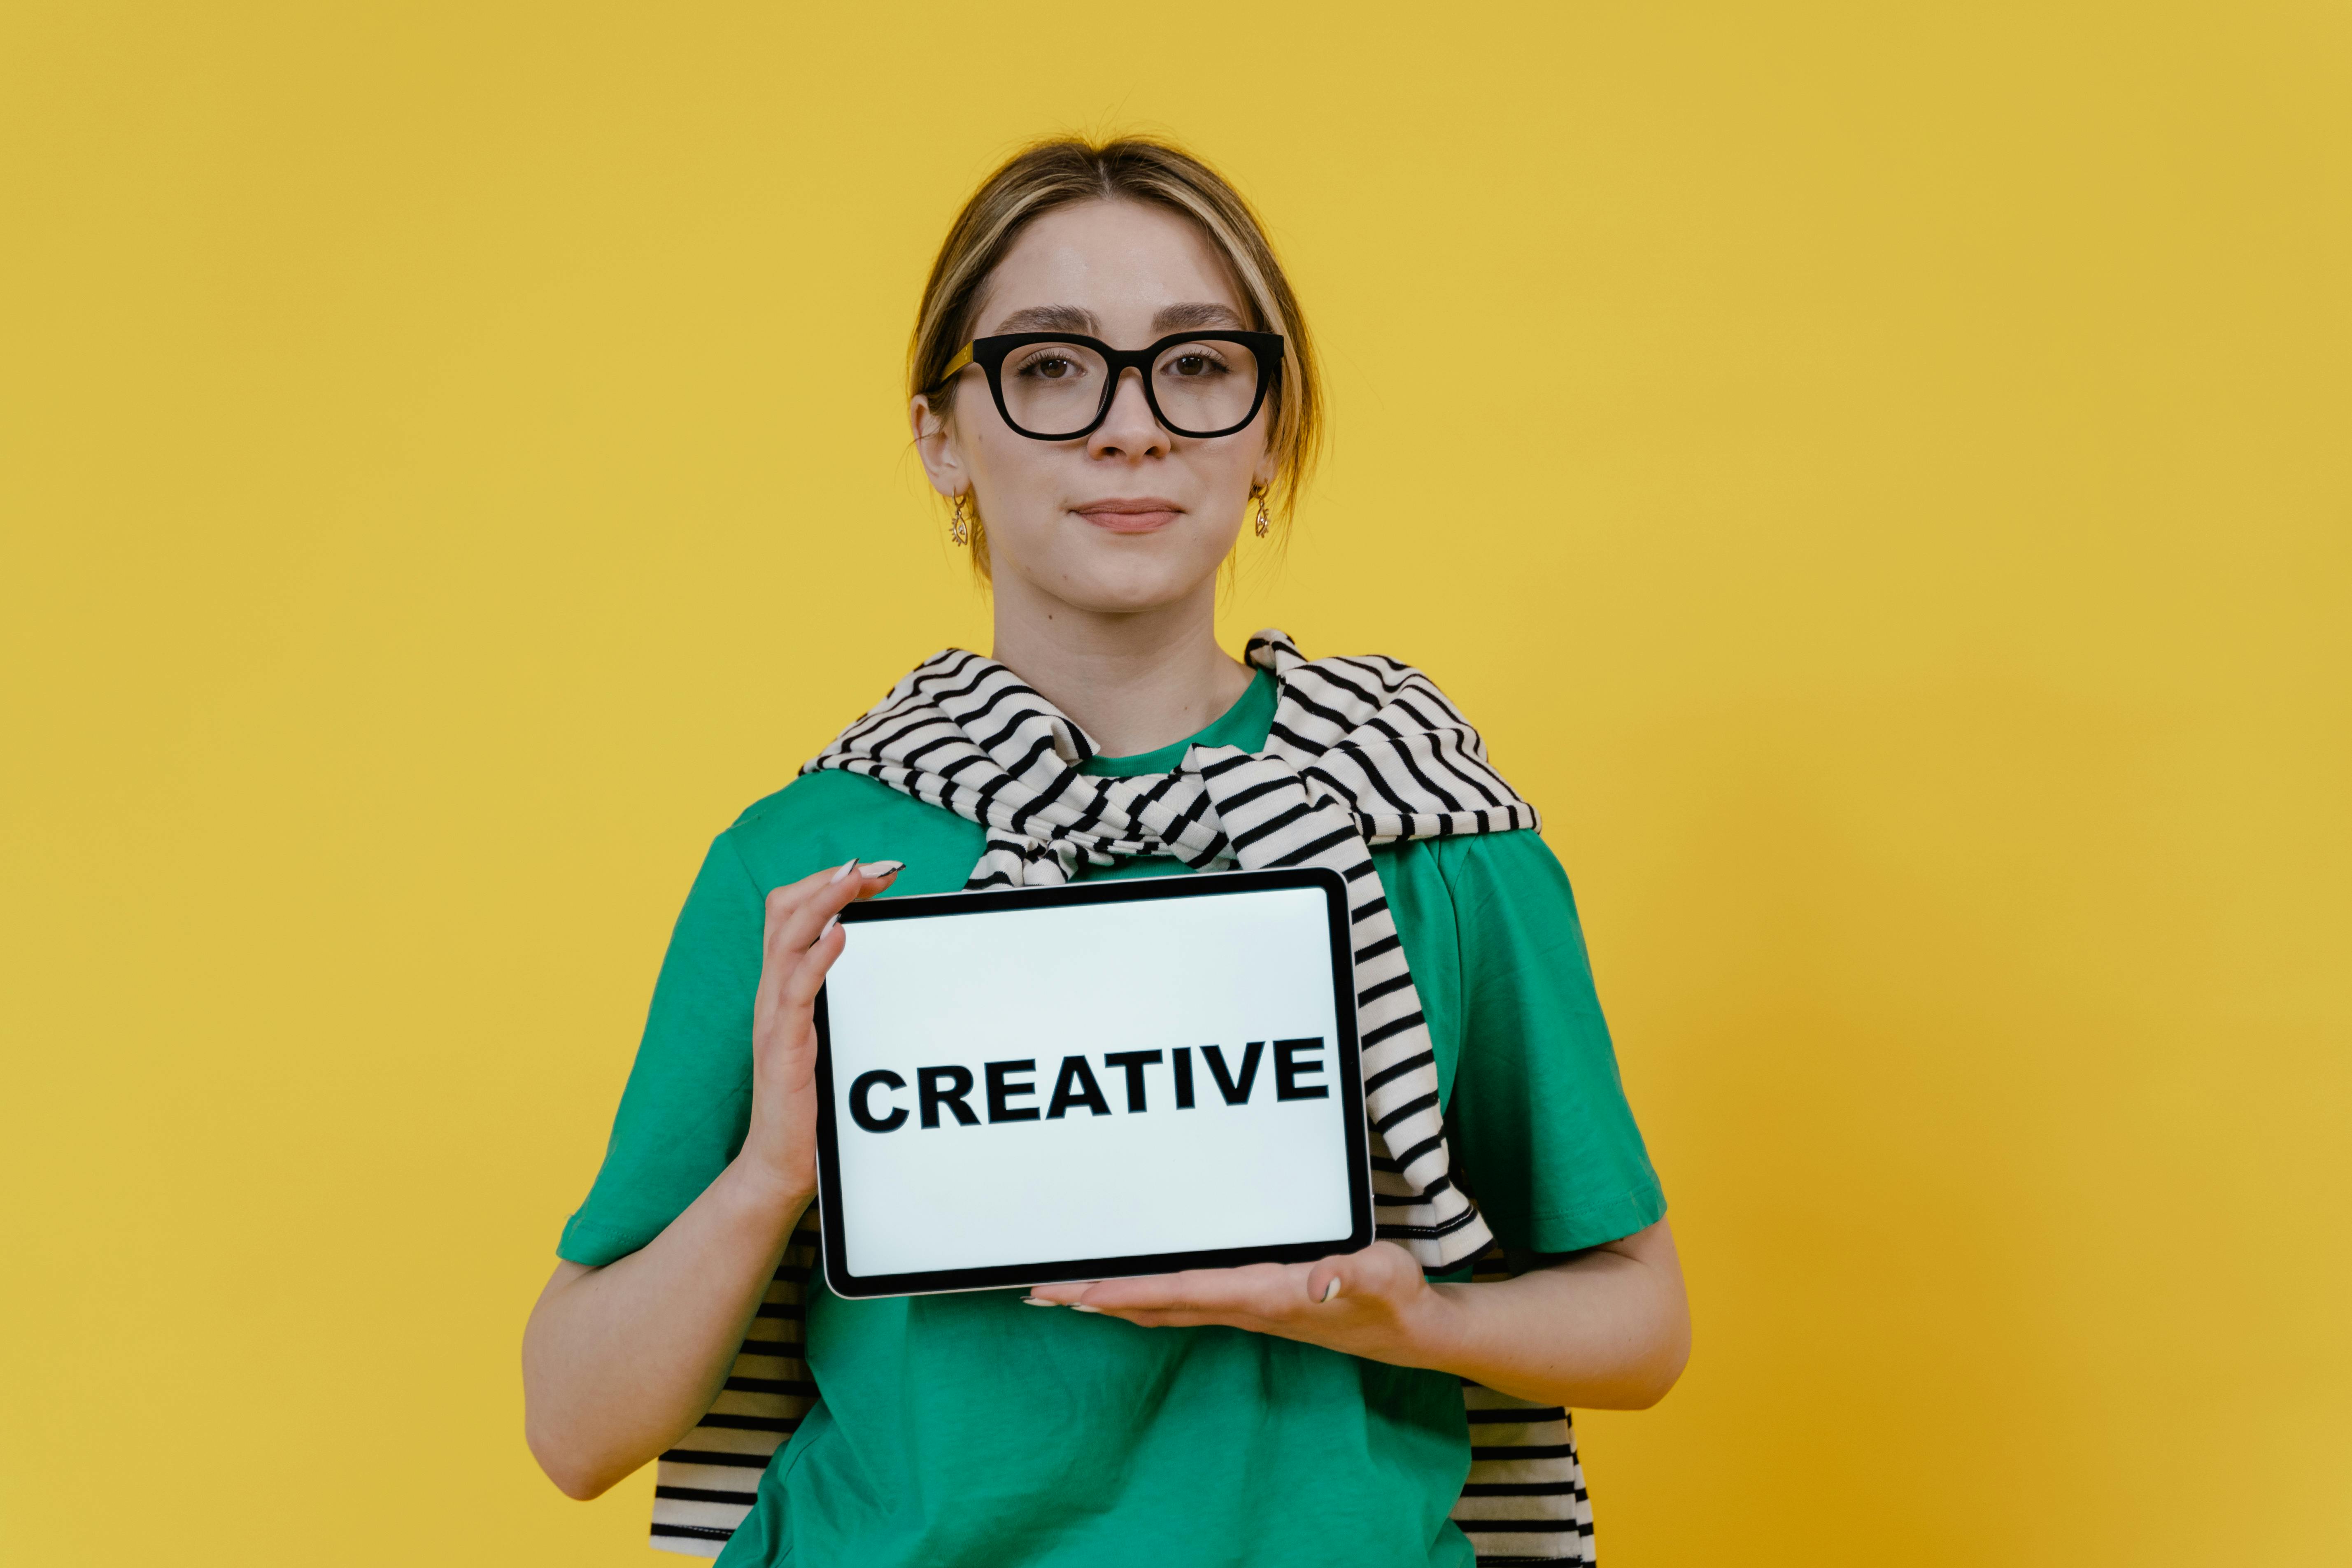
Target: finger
{"points": [[795, 969], [782, 901], [805, 919], [1260, 1290], [1381, 1270], [1178, 1320], [871, 876], [877, 875], [1060, 1294], [1332, 1278], [809, 912], [801, 982], [1155, 1289], [793, 915], [786, 934], [1152, 1293]]}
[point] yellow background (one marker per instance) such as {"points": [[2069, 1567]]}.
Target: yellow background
{"points": [[1878, 474]]}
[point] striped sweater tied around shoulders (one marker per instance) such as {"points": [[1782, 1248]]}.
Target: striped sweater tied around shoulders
{"points": [[1362, 751]]}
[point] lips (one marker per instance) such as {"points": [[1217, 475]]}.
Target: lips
{"points": [[1141, 515]]}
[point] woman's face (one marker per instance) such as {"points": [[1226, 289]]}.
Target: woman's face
{"points": [[1130, 518]]}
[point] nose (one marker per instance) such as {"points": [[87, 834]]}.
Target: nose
{"points": [[1128, 430]]}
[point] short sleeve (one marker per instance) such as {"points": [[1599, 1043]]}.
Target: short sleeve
{"points": [[1538, 1117], [689, 1100]]}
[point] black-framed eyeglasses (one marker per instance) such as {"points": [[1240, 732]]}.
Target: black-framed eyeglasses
{"points": [[1054, 386]]}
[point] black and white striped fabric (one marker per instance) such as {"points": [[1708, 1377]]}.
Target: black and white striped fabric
{"points": [[705, 1486], [1362, 751], [1524, 1500]]}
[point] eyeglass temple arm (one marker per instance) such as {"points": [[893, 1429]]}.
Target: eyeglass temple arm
{"points": [[963, 358]]}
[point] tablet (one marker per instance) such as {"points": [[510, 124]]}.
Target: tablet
{"points": [[1089, 1081]]}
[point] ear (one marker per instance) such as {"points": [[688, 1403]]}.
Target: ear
{"points": [[935, 443]]}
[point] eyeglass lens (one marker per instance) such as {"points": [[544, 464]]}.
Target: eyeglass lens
{"points": [[1057, 389]]}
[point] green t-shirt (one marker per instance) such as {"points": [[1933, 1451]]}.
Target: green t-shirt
{"points": [[971, 1430]]}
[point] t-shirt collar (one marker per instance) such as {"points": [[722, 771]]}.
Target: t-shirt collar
{"points": [[1245, 724]]}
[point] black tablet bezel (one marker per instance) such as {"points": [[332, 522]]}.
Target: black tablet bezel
{"points": [[1349, 1068]]}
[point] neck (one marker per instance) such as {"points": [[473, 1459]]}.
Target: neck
{"points": [[1133, 682]]}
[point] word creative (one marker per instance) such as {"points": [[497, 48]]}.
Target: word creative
{"points": [[948, 1089]]}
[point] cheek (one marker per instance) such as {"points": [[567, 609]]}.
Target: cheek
{"points": [[1246, 454], [1012, 469]]}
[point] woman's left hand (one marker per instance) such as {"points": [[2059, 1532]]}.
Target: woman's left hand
{"points": [[1373, 1303], [1604, 1329]]}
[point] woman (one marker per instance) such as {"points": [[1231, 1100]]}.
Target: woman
{"points": [[1110, 374]]}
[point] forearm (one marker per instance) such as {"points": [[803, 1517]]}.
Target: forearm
{"points": [[619, 1362], [1609, 1330]]}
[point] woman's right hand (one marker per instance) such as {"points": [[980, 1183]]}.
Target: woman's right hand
{"points": [[802, 939], [601, 1397]]}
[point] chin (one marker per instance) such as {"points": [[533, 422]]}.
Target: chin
{"points": [[1127, 594], [1126, 580]]}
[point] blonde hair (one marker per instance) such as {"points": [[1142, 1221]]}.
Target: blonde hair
{"points": [[1063, 170]]}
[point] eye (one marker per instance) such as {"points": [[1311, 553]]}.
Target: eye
{"points": [[1194, 363], [1050, 365]]}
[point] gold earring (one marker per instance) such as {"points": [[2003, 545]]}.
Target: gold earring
{"points": [[1265, 524], [959, 530]]}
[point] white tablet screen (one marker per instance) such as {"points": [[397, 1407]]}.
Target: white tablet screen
{"points": [[1032, 1086]]}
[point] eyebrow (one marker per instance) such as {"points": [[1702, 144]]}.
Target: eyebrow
{"points": [[1049, 319], [1073, 319], [1177, 318]]}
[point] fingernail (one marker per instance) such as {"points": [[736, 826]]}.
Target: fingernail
{"points": [[828, 928], [848, 867], [1332, 1290], [1082, 1307], [1038, 1302], [882, 867]]}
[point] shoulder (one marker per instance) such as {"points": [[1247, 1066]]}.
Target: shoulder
{"points": [[1514, 852], [1514, 870], [824, 818], [813, 802]]}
